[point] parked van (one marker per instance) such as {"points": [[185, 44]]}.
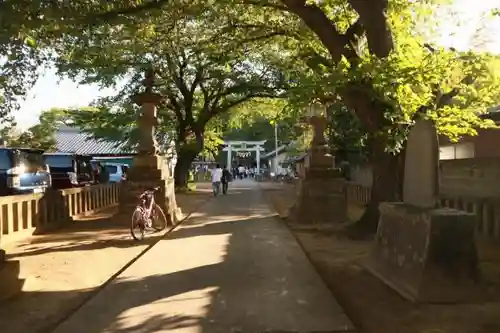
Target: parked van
{"points": [[22, 170], [69, 170], [117, 172]]}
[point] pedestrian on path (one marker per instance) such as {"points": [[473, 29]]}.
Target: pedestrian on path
{"points": [[226, 178], [241, 171], [216, 179]]}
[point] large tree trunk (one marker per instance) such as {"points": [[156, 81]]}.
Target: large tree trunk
{"points": [[387, 168], [185, 158], [186, 154], [386, 186]]}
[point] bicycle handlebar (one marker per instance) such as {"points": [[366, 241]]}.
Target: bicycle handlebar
{"points": [[151, 190]]}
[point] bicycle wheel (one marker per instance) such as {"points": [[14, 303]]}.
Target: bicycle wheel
{"points": [[137, 227], [159, 218]]}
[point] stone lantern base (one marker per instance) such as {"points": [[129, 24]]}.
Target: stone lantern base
{"points": [[322, 192], [425, 254], [321, 198], [149, 171]]}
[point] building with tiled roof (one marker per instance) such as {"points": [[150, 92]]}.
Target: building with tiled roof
{"points": [[72, 140]]}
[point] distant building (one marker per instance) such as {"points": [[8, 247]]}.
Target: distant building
{"points": [[73, 140], [485, 144], [275, 158]]}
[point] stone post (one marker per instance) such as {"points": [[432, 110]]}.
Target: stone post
{"points": [[148, 168], [424, 252], [322, 191], [229, 159], [257, 158], [2, 258]]}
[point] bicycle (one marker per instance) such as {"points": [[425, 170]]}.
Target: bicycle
{"points": [[146, 213]]}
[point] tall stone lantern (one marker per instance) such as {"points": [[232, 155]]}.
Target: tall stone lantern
{"points": [[322, 191], [148, 169]]}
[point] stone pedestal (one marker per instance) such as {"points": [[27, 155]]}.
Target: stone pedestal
{"points": [[2, 258], [321, 198], [10, 283], [425, 254], [322, 192], [148, 172]]}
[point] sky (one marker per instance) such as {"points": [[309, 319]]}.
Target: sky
{"points": [[50, 91]]}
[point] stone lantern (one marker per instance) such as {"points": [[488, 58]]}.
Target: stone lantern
{"points": [[148, 169], [319, 152], [322, 191]]}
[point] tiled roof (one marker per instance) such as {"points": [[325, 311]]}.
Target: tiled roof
{"points": [[281, 149], [296, 158], [72, 140]]}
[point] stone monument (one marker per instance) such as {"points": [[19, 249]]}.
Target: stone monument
{"points": [[322, 191], [425, 253], [148, 169]]}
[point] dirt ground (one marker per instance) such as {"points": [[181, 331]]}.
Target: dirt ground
{"points": [[49, 276], [371, 305]]}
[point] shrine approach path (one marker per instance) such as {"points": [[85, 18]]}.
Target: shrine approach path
{"points": [[231, 267]]}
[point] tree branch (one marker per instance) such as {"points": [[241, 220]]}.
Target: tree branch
{"points": [[372, 15], [197, 79], [447, 98], [230, 104], [258, 3], [146, 5], [443, 99], [355, 29], [320, 24]]}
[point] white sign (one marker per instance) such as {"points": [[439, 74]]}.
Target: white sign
{"points": [[243, 154]]}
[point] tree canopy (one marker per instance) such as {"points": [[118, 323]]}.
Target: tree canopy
{"points": [[41, 135], [199, 80], [372, 57]]}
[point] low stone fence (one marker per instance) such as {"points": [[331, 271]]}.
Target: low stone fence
{"points": [[24, 215], [357, 193], [486, 210]]}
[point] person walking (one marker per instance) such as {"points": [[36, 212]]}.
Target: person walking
{"points": [[216, 179], [101, 174], [241, 171], [226, 178], [104, 175]]}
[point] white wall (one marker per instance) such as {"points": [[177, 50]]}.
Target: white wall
{"points": [[457, 151]]}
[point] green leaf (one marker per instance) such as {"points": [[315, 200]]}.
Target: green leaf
{"points": [[30, 41]]}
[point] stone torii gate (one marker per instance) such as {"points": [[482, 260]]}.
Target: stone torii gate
{"points": [[244, 146]]}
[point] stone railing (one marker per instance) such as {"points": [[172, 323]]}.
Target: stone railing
{"points": [[357, 193], [24, 215], [486, 210]]}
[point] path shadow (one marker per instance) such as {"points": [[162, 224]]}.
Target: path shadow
{"points": [[248, 285], [126, 295], [98, 231], [10, 283], [229, 285]]}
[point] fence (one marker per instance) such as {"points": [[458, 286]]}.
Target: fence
{"points": [[486, 210], [23, 215]]}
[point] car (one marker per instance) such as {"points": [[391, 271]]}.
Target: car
{"points": [[23, 170], [69, 170], [117, 171]]}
